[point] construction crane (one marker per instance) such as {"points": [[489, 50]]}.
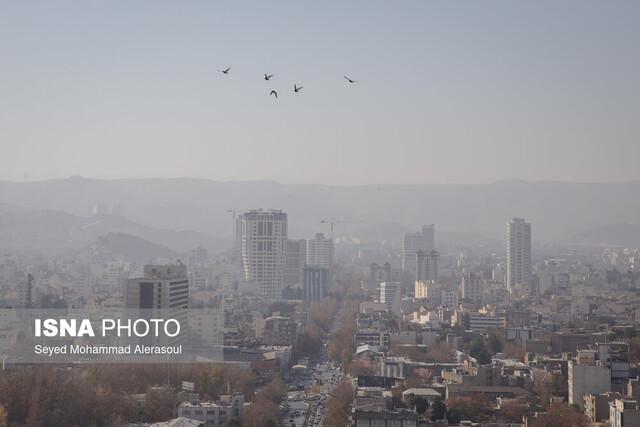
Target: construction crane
{"points": [[332, 222]]}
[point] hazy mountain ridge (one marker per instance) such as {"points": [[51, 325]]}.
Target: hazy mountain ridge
{"points": [[62, 231], [558, 211], [117, 245], [611, 234]]}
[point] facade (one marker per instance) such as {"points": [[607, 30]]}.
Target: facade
{"points": [[586, 376], [448, 298], [624, 413], [421, 289], [214, 414], [263, 247], [389, 293], [295, 260], [412, 242], [277, 331], [373, 337], [427, 265], [615, 356], [472, 288], [380, 273], [161, 287], [477, 322], [596, 406], [518, 253], [320, 252], [378, 416], [316, 281]]}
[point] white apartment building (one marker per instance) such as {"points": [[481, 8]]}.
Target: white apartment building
{"points": [[518, 253], [320, 252], [472, 288], [389, 293], [263, 245], [587, 376]]}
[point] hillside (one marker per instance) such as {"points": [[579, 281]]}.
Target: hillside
{"points": [[558, 211]]}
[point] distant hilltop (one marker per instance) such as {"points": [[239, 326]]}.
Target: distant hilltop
{"points": [[558, 211]]}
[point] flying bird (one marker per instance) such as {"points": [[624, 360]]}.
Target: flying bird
{"points": [[350, 80], [226, 70], [297, 89], [274, 93], [267, 77]]}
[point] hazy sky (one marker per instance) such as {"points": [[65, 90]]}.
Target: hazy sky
{"points": [[449, 91]]}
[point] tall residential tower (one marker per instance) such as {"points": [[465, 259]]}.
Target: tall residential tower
{"points": [[518, 253], [263, 241]]}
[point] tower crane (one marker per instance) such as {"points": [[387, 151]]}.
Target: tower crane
{"points": [[332, 222]]}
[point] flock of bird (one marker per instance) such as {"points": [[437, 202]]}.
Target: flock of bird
{"points": [[296, 88]]}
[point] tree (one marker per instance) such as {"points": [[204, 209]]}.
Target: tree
{"points": [[438, 410], [634, 349], [360, 367], [310, 341], [4, 418], [561, 415], [232, 422], [514, 410], [209, 381], [419, 404], [339, 405], [514, 351], [475, 408], [160, 404], [494, 343], [264, 411], [440, 352], [546, 384], [478, 351]]}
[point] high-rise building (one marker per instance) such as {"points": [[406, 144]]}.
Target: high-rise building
{"points": [[380, 273], [586, 376], [426, 265], [263, 247], [413, 242], [389, 292], [391, 296], [518, 253], [296, 258], [472, 288], [162, 291], [316, 281], [421, 289], [161, 287], [320, 252]]}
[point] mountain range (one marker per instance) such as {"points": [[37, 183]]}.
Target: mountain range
{"points": [[181, 212]]}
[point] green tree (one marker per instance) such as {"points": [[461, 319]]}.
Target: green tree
{"points": [[339, 405], [494, 343], [478, 351], [420, 404], [438, 410]]}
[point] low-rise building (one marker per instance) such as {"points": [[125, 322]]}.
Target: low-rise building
{"points": [[596, 406], [214, 414], [624, 413], [587, 376]]}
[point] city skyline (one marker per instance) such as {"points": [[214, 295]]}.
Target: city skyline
{"points": [[509, 91], [319, 214]]}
